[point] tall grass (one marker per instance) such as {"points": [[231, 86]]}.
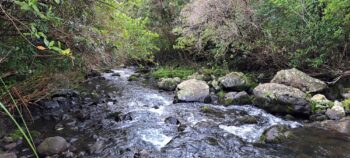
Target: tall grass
{"points": [[24, 131]]}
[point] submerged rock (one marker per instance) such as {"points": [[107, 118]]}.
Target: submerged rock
{"points": [[168, 84], [234, 81], [276, 134], [192, 90], [280, 98], [247, 119], [172, 120], [336, 112], [298, 79], [52, 145], [341, 126], [237, 98]]}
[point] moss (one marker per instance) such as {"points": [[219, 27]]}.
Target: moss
{"points": [[221, 95], [171, 72], [228, 101], [133, 78], [346, 104], [16, 135], [251, 79]]}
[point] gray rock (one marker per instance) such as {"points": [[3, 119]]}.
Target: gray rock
{"points": [[8, 155], [169, 84], [298, 79], [280, 98], [192, 90], [276, 134], [172, 120], [52, 104], [321, 102], [336, 112], [341, 126], [234, 81], [237, 98], [52, 145], [196, 76], [247, 119], [215, 85], [10, 146]]}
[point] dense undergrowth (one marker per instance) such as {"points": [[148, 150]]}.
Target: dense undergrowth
{"points": [[64, 36]]}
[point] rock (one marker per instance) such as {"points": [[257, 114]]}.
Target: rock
{"points": [[66, 93], [97, 147], [247, 119], [192, 90], [196, 76], [116, 74], [234, 81], [52, 145], [8, 140], [214, 98], [134, 77], [116, 116], [298, 79], [320, 102], [107, 71], [169, 84], [336, 112], [52, 104], [318, 117], [215, 85], [8, 155], [276, 134], [172, 120], [280, 98], [240, 98], [341, 126], [10, 146], [93, 73]]}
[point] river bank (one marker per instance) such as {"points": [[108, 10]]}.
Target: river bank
{"points": [[117, 116]]}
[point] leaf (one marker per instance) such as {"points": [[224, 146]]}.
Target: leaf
{"points": [[58, 1], [66, 52], [52, 43], [41, 48]]}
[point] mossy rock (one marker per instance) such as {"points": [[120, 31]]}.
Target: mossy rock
{"points": [[276, 134]]}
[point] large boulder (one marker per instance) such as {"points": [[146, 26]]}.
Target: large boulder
{"points": [[234, 81], [278, 98], [336, 112], [298, 79], [169, 84], [341, 126], [192, 90], [52, 145]]}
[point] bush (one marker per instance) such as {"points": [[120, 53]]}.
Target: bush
{"points": [[170, 72]]}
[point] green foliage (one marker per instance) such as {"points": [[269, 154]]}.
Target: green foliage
{"points": [[313, 32], [24, 131], [346, 104], [170, 72]]}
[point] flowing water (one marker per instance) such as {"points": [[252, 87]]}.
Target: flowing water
{"points": [[148, 123]]}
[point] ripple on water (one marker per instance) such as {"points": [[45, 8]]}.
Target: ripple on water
{"points": [[252, 132]]}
